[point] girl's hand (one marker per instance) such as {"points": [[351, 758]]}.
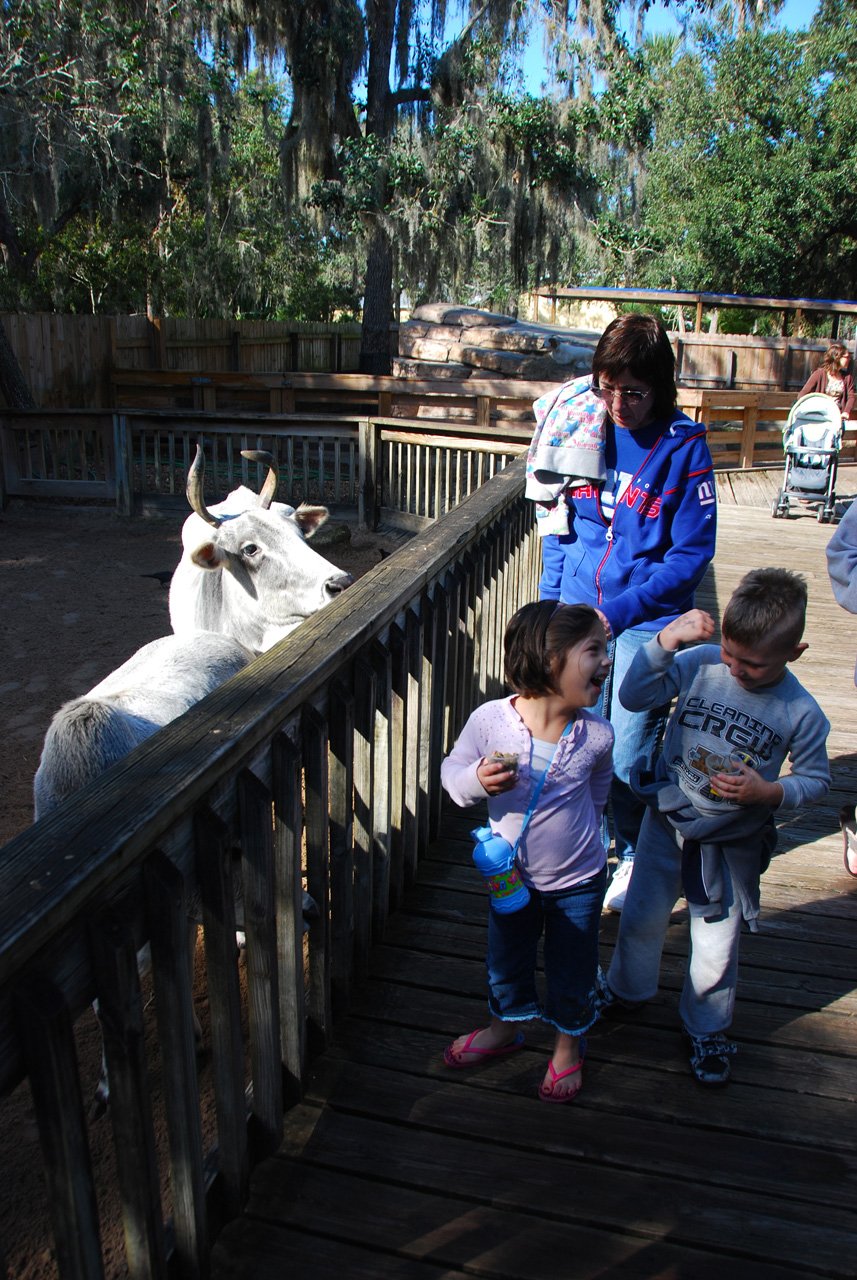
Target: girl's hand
{"points": [[746, 786], [495, 777], [696, 624]]}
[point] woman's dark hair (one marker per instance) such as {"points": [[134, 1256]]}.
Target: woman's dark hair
{"points": [[833, 355], [537, 640], [637, 343]]}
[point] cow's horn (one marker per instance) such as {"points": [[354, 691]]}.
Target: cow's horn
{"points": [[193, 489], [269, 488]]}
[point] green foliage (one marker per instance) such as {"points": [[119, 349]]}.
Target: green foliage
{"points": [[750, 175]]}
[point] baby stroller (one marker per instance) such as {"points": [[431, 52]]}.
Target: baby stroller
{"points": [[812, 438]]}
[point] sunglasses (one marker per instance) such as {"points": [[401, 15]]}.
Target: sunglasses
{"points": [[629, 398]]}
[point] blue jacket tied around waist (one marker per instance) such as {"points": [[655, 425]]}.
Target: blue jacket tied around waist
{"points": [[642, 569]]}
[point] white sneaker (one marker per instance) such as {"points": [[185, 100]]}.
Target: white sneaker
{"points": [[614, 898]]}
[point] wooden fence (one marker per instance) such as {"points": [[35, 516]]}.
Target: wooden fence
{"points": [[401, 473], [67, 361], [98, 362], [346, 722]]}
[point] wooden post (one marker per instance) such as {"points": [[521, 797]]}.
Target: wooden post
{"points": [[317, 806], [123, 475], [120, 1016], [342, 712], [236, 350], [214, 872], [483, 411], [369, 439], [381, 661], [171, 968], [47, 1039], [257, 860], [159, 346], [697, 324], [401, 764], [365, 684], [287, 771], [4, 496], [748, 434]]}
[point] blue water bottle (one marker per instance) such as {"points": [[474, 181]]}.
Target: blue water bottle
{"points": [[495, 858]]}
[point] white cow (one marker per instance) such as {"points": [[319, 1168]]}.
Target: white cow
{"points": [[247, 577]]}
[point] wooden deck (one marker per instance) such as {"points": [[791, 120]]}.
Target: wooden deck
{"points": [[395, 1166]]}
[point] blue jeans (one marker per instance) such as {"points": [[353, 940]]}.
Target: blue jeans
{"points": [[570, 919], [708, 994], [638, 737]]}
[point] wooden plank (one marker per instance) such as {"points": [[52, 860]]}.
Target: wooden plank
{"points": [[762, 1226], [286, 780], [365, 693], [342, 718], [257, 859], [171, 964], [120, 1016], [45, 1029], [314, 739], [214, 870]]}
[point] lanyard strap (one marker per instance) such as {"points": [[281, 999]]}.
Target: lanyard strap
{"points": [[538, 791]]}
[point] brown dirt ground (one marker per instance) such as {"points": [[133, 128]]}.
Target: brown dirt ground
{"points": [[76, 602]]}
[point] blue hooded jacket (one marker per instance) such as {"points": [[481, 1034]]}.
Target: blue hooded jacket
{"points": [[642, 569]]}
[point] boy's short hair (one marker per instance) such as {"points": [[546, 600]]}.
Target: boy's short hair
{"points": [[767, 606], [537, 637]]}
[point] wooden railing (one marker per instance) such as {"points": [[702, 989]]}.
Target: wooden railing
{"points": [[346, 722], [403, 473], [385, 467]]}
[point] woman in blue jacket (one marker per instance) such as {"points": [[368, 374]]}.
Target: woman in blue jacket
{"points": [[638, 545]]}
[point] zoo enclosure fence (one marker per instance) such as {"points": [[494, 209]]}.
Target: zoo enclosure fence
{"points": [[380, 465], [319, 764]]}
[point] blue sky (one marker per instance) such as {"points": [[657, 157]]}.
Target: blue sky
{"points": [[794, 15]]}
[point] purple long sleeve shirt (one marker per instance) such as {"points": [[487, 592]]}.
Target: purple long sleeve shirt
{"points": [[562, 844]]}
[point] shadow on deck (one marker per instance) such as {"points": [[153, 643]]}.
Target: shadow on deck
{"points": [[395, 1166]]}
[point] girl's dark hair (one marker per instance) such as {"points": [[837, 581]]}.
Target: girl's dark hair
{"points": [[833, 355], [637, 343], [538, 638]]}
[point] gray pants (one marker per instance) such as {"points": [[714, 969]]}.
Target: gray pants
{"points": [[708, 994]]}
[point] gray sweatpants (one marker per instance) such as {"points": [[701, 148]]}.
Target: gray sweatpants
{"points": [[708, 994]]}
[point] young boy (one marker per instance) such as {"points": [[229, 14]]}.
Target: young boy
{"points": [[708, 832]]}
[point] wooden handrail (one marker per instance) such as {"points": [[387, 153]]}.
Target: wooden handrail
{"points": [[387, 673]]}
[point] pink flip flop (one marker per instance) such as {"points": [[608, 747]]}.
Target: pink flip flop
{"points": [[451, 1056], [547, 1095]]}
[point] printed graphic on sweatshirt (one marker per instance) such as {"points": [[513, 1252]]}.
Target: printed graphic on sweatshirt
{"points": [[701, 763], [727, 736], [706, 493], [618, 489]]}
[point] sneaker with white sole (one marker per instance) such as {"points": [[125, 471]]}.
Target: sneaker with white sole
{"points": [[605, 999], [709, 1056], [614, 898]]}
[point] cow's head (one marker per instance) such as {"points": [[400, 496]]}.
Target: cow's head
{"points": [[246, 569]]}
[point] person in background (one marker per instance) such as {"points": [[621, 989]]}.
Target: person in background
{"points": [[639, 532], [834, 379]]}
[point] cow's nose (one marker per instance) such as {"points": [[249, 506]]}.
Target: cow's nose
{"points": [[336, 585]]}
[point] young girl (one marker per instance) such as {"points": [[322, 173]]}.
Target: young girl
{"points": [[556, 662]]}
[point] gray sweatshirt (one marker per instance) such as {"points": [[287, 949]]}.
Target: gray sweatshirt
{"points": [[715, 719]]}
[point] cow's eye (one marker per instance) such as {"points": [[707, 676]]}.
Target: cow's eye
{"points": [[250, 549]]}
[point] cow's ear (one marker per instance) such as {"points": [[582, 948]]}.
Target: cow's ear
{"points": [[310, 518], [208, 556]]}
